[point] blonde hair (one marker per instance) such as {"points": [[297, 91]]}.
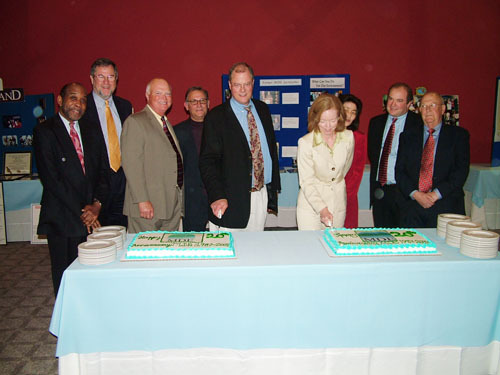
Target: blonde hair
{"points": [[323, 103]]}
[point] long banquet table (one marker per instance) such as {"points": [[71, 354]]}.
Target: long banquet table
{"points": [[283, 306]]}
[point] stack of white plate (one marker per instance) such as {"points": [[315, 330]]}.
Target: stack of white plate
{"points": [[116, 228], [480, 244], [110, 235], [443, 220], [96, 252], [454, 231]]}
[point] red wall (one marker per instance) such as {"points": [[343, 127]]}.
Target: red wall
{"points": [[452, 47]]}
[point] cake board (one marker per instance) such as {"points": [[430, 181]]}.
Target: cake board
{"points": [[330, 253], [124, 259]]}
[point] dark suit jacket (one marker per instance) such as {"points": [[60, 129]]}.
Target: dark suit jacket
{"points": [[195, 197], [66, 189], [451, 165], [123, 106], [375, 137], [226, 163]]}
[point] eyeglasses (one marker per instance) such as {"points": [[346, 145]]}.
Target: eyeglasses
{"points": [[425, 107], [101, 77], [197, 101]]}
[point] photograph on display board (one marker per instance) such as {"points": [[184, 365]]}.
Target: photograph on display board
{"points": [[270, 97], [12, 122], [9, 140], [314, 95], [26, 140], [276, 122]]}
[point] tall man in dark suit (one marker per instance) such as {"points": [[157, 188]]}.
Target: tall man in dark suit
{"points": [[432, 166], [383, 140], [109, 112], [238, 159], [152, 162], [189, 135], [73, 168]]}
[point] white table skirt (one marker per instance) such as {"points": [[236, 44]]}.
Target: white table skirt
{"points": [[488, 215], [435, 360]]}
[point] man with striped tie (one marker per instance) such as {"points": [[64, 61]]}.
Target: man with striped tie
{"points": [[432, 166], [71, 159], [383, 140]]}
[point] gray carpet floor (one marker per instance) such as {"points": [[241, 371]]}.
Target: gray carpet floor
{"points": [[26, 303]]}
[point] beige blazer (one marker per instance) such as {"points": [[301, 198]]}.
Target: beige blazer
{"points": [[321, 178], [150, 166]]}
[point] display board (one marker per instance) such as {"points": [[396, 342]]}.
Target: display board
{"points": [[17, 120], [495, 152], [289, 99]]}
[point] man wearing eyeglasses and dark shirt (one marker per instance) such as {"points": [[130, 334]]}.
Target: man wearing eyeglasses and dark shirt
{"points": [[189, 136], [432, 166], [109, 111]]}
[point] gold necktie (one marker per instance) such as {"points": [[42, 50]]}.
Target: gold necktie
{"points": [[113, 143]]}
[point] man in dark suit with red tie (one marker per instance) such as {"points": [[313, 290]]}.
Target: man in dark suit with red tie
{"points": [[383, 140], [109, 113], [73, 168], [432, 166]]}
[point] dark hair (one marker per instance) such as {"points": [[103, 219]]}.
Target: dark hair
{"points": [[409, 91], [103, 61], [64, 89], [344, 98], [195, 88], [240, 67]]}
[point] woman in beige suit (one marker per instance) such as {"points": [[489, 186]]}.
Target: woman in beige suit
{"points": [[324, 156]]}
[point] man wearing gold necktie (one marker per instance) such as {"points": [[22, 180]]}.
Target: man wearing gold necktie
{"points": [[109, 111]]}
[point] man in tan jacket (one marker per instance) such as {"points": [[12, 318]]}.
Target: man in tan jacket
{"points": [[152, 163]]}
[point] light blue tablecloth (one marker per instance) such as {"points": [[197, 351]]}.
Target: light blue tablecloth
{"points": [[21, 194], [282, 291], [484, 183]]}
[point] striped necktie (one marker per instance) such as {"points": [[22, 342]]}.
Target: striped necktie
{"points": [[76, 142], [426, 165], [384, 160]]}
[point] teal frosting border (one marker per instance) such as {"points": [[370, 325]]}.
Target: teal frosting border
{"points": [[406, 249], [230, 247]]}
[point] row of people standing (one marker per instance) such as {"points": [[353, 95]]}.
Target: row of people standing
{"points": [[418, 165], [82, 164], [133, 163]]}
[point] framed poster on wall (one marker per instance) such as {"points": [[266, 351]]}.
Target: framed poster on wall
{"points": [[495, 153]]}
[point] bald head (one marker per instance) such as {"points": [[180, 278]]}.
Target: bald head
{"points": [[432, 109], [159, 95]]}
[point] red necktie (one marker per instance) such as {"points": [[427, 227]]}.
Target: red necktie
{"points": [[426, 165], [255, 150], [384, 160], [180, 169], [76, 142]]}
